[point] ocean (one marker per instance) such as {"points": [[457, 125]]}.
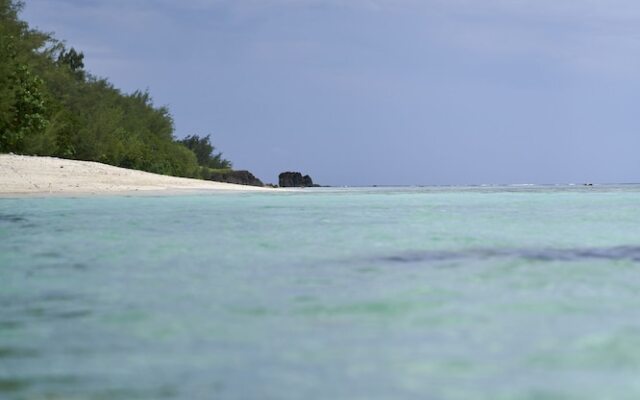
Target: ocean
{"points": [[505, 292]]}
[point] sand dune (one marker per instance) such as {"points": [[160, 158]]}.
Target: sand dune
{"points": [[49, 175]]}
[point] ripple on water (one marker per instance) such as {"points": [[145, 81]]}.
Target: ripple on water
{"points": [[630, 253], [371, 309]]}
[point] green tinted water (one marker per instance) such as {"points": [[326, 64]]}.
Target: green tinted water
{"points": [[427, 293]]}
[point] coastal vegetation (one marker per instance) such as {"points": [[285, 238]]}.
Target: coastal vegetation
{"points": [[51, 106]]}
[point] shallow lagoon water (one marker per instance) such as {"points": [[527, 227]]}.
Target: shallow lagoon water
{"points": [[387, 293]]}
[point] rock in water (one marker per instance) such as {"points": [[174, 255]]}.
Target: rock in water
{"points": [[307, 181], [290, 179], [237, 177], [294, 179]]}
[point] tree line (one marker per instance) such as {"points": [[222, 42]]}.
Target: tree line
{"points": [[51, 106]]}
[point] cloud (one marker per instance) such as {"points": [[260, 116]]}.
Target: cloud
{"points": [[592, 36]]}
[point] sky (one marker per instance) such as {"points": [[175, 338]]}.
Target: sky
{"points": [[379, 92]]}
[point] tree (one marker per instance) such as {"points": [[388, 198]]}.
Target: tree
{"points": [[28, 111], [72, 60], [23, 110], [204, 152]]}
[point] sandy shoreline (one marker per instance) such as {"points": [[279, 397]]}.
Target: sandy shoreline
{"points": [[29, 175]]}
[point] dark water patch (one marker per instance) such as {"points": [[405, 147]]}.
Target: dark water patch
{"points": [[426, 256], [304, 299], [7, 325], [80, 266], [621, 253], [163, 392], [615, 253], [253, 311], [42, 312], [51, 297], [373, 309], [49, 254], [57, 296], [54, 267], [8, 352], [8, 385], [72, 314], [12, 218], [17, 385], [36, 312], [42, 309]]}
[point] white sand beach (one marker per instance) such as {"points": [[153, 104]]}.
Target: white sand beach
{"points": [[49, 175]]}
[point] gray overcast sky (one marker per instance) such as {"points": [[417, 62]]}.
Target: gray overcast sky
{"points": [[358, 92]]}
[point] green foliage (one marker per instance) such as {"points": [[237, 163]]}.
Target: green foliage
{"points": [[49, 105], [204, 152], [22, 105], [72, 60], [206, 172], [27, 113]]}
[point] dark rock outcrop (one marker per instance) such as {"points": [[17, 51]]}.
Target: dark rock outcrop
{"points": [[307, 181], [237, 177], [294, 179]]}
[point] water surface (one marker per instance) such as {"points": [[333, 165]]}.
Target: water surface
{"points": [[401, 293]]}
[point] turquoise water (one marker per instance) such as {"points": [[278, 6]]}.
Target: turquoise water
{"points": [[422, 293]]}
